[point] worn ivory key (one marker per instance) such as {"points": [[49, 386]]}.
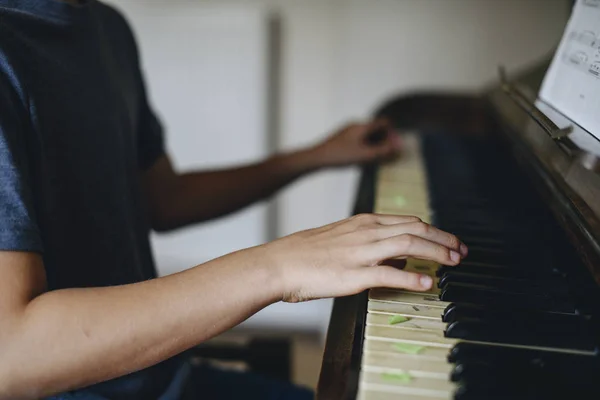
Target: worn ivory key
{"points": [[400, 296], [406, 309], [414, 364], [399, 347], [377, 395], [412, 385], [378, 319], [420, 337]]}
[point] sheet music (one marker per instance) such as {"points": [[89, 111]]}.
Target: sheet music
{"points": [[572, 84]]}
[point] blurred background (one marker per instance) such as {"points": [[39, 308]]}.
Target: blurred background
{"points": [[234, 81]]}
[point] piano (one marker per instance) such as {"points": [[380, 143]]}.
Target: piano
{"points": [[519, 317]]}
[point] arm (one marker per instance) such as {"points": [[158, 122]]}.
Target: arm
{"points": [[180, 199], [64, 339]]}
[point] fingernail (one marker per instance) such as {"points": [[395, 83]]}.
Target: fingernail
{"points": [[426, 281], [463, 250], [454, 256]]}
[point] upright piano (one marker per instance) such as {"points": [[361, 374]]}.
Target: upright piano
{"points": [[519, 183]]}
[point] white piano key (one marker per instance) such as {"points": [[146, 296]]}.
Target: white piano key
{"points": [[410, 191], [419, 337], [401, 189], [414, 364], [376, 319], [425, 352], [409, 310], [399, 296], [377, 395], [433, 387]]}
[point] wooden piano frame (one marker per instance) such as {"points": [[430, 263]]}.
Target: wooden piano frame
{"points": [[343, 348]]}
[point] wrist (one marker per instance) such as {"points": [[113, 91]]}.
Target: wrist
{"points": [[299, 162], [269, 271]]}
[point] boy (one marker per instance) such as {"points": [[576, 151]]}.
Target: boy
{"points": [[84, 177]]}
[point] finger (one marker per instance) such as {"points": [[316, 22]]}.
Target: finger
{"points": [[371, 128], [423, 230], [390, 219], [407, 245], [386, 276], [382, 122], [370, 220], [386, 150]]}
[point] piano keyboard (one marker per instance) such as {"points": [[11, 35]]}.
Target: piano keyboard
{"points": [[488, 329]]}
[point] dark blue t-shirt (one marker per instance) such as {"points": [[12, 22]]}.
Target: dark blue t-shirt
{"points": [[76, 131]]}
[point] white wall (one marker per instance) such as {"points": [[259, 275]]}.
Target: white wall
{"points": [[341, 58], [206, 69]]}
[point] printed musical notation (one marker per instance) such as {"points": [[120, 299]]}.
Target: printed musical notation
{"points": [[582, 51], [592, 3], [572, 84]]}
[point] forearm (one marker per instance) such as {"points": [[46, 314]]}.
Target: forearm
{"points": [[76, 337], [201, 196]]}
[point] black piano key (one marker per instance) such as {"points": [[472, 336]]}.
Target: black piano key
{"points": [[456, 312], [474, 294], [522, 333], [506, 286], [487, 370], [557, 286], [479, 352], [499, 272], [524, 389], [519, 288], [495, 253]]}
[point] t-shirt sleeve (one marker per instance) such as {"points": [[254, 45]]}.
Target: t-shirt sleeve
{"points": [[150, 133], [18, 226]]}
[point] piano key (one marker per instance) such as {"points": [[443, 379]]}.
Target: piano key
{"points": [[481, 269], [378, 319], [477, 312], [376, 380], [406, 309], [521, 333], [373, 394], [421, 337], [489, 372], [549, 285], [400, 296], [503, 392], [465, 351], [423, 266], [423, 352], [415, 365], [473, 294]]}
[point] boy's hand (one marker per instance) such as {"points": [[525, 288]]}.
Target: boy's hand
{"points": [[355, 143], [346, 257]]}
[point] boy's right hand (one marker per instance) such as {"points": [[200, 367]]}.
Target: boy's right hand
{"points": [[346, 257]]}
